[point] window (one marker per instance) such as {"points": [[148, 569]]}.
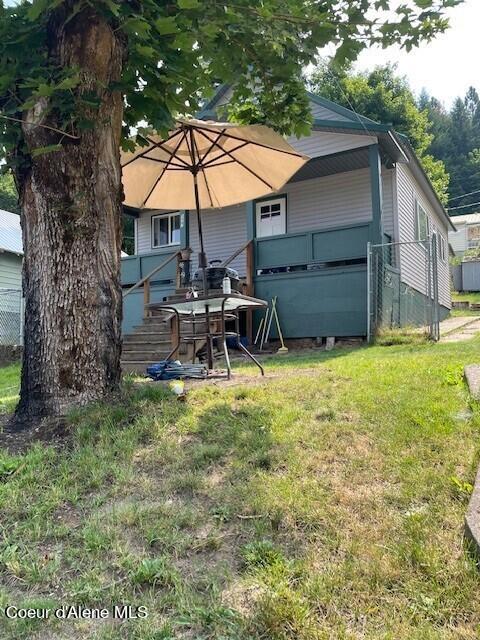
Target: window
{"points": [[442, 247], [271, 217], [473, 235], [165, 230], [422, 226]]}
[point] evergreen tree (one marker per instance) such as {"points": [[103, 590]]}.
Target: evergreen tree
{"points": [[385, 97], [456, 139]]}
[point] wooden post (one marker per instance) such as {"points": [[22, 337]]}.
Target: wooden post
{"points": [[146, 297], [178, 273], [250, 290], [174, 333]]}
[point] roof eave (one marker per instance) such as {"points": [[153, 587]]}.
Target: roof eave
{"points": [[417, 165]]}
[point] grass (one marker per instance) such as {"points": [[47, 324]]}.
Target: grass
{"points": [[9, 386], [473, 296], [325, 503]]}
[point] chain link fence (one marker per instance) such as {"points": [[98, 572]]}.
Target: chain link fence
{"points": [[11, 317], [403, 289]]}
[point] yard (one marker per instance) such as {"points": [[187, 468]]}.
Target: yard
{"points": [[326, 502]]}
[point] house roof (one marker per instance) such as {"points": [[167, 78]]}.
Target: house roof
{"points": [[10, 233], [396, 145], [468, 218]]}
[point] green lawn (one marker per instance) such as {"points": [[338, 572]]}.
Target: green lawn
{"points": [[471, 297], [9, 386], [326, 503]]}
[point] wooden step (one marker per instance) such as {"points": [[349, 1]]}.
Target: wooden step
{"points": [[135, 339]]}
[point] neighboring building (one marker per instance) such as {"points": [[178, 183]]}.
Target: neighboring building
{"points": [[11, 257], [467, 234], [363, 184]]}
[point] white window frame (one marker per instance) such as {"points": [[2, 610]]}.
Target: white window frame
{"points": [[442, 247], [472, 244], [418, 211], [169, 216], [282, 200]]}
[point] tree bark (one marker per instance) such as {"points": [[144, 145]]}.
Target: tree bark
{"points": [[71, 225]]}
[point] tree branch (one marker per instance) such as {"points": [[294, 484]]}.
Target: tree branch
{"points": [[44, 126]]}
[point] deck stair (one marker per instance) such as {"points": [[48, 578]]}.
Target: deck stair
{"points": [[151, 341]]}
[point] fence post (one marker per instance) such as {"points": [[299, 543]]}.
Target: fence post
{"points": [[436, 313], [22, 318], [369, 266], [429, 284]]}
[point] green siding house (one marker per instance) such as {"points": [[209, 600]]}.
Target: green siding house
{"points": [[363, 183]]}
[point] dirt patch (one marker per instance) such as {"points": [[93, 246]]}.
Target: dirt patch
{"points": [[17, 440]]}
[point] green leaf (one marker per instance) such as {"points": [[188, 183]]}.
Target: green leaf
{"points": [[40, 151], [166, 26], [68, 83], [188, 4], [41, 6], [45, 90], [37, 8], [146, 52]]}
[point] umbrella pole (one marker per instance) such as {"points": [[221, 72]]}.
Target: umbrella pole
{"points": [[202, 258]]}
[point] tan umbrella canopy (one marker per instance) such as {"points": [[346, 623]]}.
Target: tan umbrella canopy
{"points": [[204, 165]]}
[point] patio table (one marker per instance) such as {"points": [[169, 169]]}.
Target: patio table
{"points": [[225, 306]]}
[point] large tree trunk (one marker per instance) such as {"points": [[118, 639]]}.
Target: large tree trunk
{"points": [[71, 223]]}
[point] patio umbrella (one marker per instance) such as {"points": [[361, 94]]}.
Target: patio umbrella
{"points": [[204, 165]]}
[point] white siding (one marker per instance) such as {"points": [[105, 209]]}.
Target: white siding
{"points": [[458, 239], [412, 259], [388, 215], [323, 143], [336, 200], [319, 203], [224, 231], [10, 271], [143, 233]]}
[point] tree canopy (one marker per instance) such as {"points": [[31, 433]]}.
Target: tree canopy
{"points": [[457, 143], [176, 52], [385, 97]]}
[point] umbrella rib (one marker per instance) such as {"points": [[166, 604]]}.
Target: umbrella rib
{"points": [[211, 146], [163, 171], [159, 145], [194, 142], [242, 164], [140, 155], [222, 155], [259, 144], [180, 167]]}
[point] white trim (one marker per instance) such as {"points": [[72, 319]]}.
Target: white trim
{"points": [[419, 208], [169, 216], [282, 201]]}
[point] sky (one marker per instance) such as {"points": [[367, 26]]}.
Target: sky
{"points": [[445, 67]]}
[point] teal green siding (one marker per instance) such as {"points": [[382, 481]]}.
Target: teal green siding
{"points": [[134, 268], [316, 302], [341, 243], [311, 304], [133, 305]]}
